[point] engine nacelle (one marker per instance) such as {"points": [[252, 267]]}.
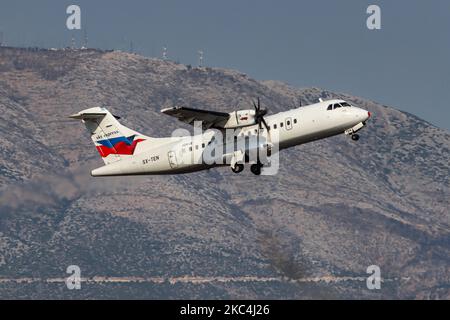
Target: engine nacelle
{"points": [[240, 118]]}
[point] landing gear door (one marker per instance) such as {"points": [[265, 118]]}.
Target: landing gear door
{"points": [[172, 159]]}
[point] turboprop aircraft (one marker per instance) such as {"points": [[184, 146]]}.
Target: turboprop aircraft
{"points": [[252, 138]]}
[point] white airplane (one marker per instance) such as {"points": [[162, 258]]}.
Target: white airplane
{"points": [[127, 152]]}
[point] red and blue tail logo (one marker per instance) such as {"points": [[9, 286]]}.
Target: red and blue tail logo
{"points": [[119, 145]]}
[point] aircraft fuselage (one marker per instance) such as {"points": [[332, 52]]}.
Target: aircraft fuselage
{"points": [[293, 127]]}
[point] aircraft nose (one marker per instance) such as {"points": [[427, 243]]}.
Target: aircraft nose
{"points": [[363, 115]]}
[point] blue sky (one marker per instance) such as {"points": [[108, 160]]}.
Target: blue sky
{"points": [[305, 43]]}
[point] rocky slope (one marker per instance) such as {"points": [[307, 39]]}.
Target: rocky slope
{"points": [[311, 231]]}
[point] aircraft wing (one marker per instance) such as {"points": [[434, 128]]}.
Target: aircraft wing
{"points": [[210, 119]]}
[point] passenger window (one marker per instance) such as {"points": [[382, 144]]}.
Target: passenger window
{"points": [[288, 123], [196, 147], [190, 148], [295, 121], [203, 145], [274, 126], [281, 125], [330, 107]]}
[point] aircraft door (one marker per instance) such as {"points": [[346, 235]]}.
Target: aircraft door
{"points": [[172, 159]]}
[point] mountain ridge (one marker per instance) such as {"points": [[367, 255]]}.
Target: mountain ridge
{"points": [[384, 200]]}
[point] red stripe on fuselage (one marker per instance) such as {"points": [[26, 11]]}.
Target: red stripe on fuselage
{"points": [[120, 148]]}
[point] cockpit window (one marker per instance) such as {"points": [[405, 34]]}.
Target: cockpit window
{"points": [[330, 107], [345, 104], [337, 105]]}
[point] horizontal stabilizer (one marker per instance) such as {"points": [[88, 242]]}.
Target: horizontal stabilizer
{"points": [[87, 115]]}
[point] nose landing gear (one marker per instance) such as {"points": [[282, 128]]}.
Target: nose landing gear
{"points": [[352, 131]]}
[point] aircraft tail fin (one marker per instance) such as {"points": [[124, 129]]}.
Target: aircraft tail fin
{"points": [[113, 141]]}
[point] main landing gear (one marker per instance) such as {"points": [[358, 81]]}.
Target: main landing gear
{"points": [[355, 137], [254, 168], [238, 167]]}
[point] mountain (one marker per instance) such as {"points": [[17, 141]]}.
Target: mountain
{"points": [[335, 207]]}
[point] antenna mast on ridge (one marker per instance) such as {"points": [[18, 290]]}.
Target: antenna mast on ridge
{"points": [[200, 58], [85, 39]]}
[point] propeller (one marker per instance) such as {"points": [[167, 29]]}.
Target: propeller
{"points": [[259, 119], [259, 115]]}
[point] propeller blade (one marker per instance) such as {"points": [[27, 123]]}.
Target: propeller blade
{"points": [[265, 124]]}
